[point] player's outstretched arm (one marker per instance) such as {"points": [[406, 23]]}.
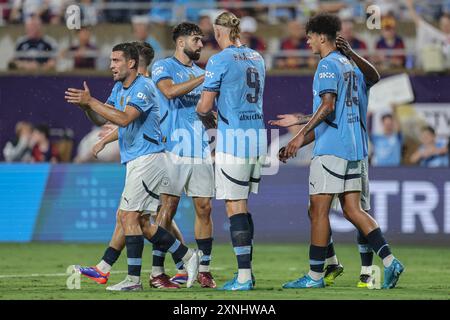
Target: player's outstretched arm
{"points": [[370, 72], [172, 90], [204, 109], [95, 118], [325, 109], [289, 120], [100, 145], [84, 99]]}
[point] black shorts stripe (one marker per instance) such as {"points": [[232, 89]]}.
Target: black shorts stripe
{"points": [[222, 117], [146, 137], [238, 182], [153, 195], [256, 180], [339, 176]]}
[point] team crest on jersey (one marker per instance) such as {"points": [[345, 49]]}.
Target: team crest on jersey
{"points": [[165, 182], [191, 76]]}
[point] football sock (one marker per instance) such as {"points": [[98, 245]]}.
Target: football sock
{"points": [[135, 246], [366, 253], [331, 255], [179, 264], [252, 232], [168, 242], [205, 245], [242, 244], [109, 258], [159, 254], [380, 246], [317, 261]]}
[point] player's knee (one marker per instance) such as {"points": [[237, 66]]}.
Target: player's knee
{"points": [[129, 218], [203, 210]]}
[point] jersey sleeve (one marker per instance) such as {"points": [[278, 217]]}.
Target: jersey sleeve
{"points": [[214, 72], [328, 77], [161, 71], [141, 98]]}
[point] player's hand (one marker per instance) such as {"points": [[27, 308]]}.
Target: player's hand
{"points": [[284, 120], [99, 146], [343, 45], [281, 156], [79, 97], [293, 146]]}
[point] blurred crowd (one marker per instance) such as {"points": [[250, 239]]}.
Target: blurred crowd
{"points": [[387, 47]]}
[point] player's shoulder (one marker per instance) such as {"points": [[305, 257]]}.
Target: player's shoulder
{"points": [[143, 83], [161, 64]]}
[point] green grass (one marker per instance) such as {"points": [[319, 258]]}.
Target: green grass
{"points": [[427, 274]]}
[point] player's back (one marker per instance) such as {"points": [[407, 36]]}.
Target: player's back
{"points": [[238, 74], [340, 133], [142, 136]]}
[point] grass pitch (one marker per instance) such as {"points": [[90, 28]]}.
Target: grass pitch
{"points": [[37, 271]]}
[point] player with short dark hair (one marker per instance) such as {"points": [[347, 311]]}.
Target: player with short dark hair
{"points": [[189, 167], [235, 77], [338, 151], [133, 107], [100, 272]]}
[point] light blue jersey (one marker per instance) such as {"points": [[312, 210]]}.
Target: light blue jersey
{"points": [[238, 75], [340, 134], [183, 132], [142, 136]]}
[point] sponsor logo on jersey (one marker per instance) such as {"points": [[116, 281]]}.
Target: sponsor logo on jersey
{"points": [[327, 75]]}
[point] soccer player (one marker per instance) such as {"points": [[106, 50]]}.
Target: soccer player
{"points": [[179, 82], [235, 78], [366, 76], [133, 107], [100, 273], [338, 151]]}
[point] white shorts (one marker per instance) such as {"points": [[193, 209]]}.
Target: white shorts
{"points": [[365, 192], [142, 183], [333, 175], [194, 176], [237, 177]]}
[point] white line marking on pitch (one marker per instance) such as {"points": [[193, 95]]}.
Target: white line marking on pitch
{"points": [[35, 275]]}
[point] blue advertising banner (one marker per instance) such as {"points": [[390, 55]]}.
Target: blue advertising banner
{"points": [[77, 203]]}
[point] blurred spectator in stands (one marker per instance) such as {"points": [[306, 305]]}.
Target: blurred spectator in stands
{"points": [[83, 50], [390, 41], [388, 7], [17, 149], [432, 44], [111, 152], [50, 11], [89, 13], [387, 146], [248, 27], [347, 31], [35, 50], [296, 41], [141, 25], [41, 148], [432, 152], [116, 15], [173, 11], [5, 13], [210, 45], [279, 14]]}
